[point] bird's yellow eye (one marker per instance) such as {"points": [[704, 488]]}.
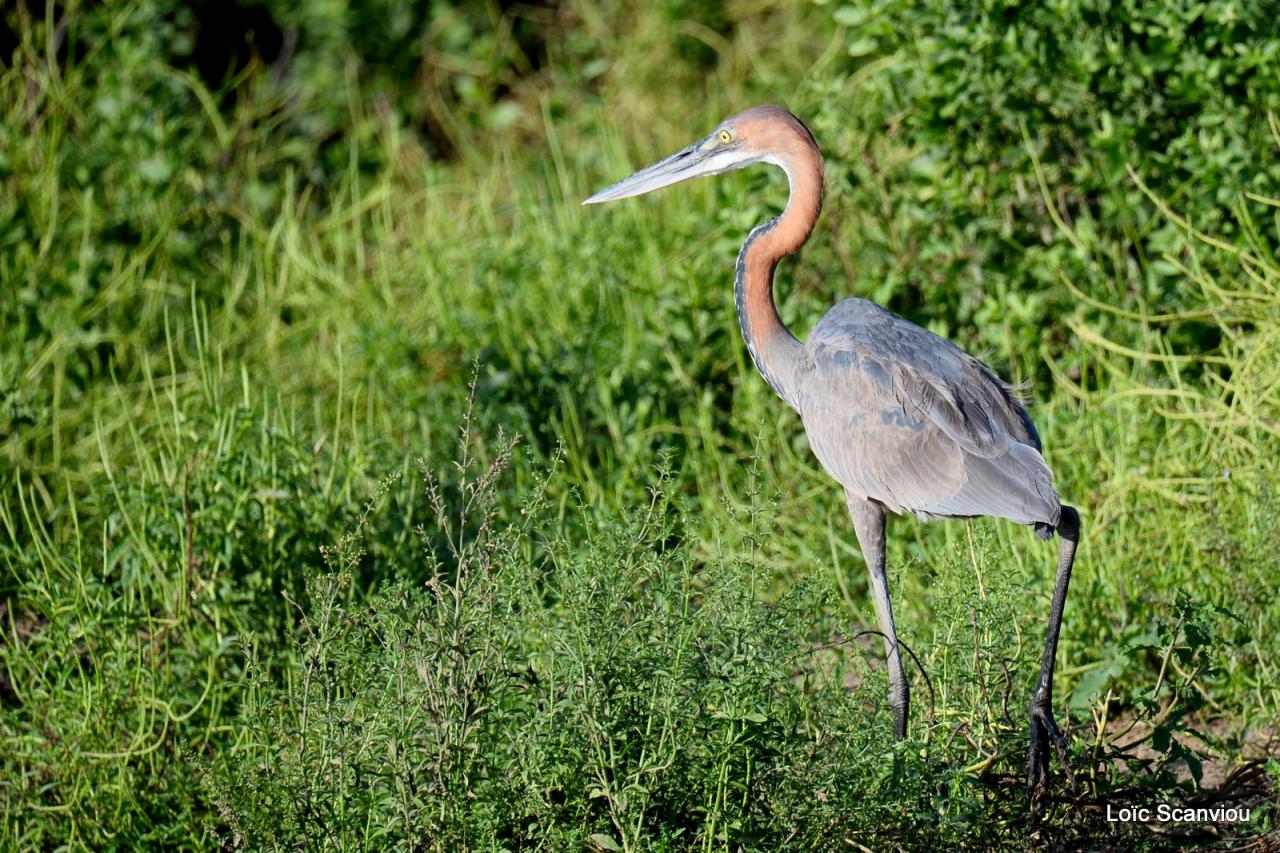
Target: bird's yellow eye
{"points": [[726, 137]]}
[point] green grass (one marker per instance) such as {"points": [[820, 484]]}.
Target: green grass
{"points": [[355, 498]]}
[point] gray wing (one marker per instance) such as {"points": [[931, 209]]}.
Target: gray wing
{"points": [[897, 414]]}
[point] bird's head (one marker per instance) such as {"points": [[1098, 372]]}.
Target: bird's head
{"points": [[759, 134]]}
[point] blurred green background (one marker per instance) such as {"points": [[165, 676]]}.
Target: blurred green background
{"points": [[358, 489]]}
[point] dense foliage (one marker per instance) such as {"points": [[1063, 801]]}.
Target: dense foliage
{"points": [[1000, 140], [359, 490]]}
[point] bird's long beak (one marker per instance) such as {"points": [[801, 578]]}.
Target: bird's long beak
{"points": [[705, 157]]}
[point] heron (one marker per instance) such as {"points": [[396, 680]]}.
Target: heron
{"points": [[903, 419]]}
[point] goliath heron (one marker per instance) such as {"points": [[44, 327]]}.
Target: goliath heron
{"points": [[904, 420]]}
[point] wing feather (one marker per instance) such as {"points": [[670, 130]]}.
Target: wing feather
{"points": [[900, 415]]}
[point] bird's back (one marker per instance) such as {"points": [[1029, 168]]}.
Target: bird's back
{"points": [[900, 415]]}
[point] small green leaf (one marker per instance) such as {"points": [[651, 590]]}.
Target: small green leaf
{"points": [[155, 170], [1160, 739], [850, 16], [862, 46], [1194, 766], [603, 841]]}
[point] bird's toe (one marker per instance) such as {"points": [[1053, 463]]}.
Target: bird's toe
{"points": [[1044, 731]]}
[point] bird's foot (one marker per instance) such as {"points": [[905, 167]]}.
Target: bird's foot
{"points": [[1044, 729]]}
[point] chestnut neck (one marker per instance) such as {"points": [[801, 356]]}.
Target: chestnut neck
{"points": [[775, 351]]}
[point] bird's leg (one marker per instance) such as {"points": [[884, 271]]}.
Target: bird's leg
{"points": [[1043, 727], [868, 524]]}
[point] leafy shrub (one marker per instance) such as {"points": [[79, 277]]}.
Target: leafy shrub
{"points": [[541, 691], [121, 610], [613, 693], [990, 142]]}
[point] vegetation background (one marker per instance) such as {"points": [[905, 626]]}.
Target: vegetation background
{"points": [[358, 490]]}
